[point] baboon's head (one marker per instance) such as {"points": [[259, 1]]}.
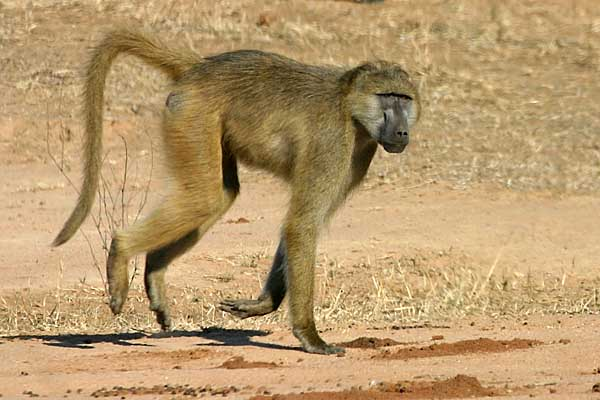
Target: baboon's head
{"points": [[384, 101]]}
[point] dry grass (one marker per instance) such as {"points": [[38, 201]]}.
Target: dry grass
{"points": [[427, 287]]}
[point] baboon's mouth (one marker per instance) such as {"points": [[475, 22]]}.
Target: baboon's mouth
{"points": [[393, 148]]}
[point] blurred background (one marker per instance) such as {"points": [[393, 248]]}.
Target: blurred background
{"points": [[510, 88]]}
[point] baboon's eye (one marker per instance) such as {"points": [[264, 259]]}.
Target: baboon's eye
{"points": [[398, 95]]}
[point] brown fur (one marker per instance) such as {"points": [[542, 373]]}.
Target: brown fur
{"points": [[315, 127]]}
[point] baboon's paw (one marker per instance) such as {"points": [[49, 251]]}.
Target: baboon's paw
{"points": [[118, 295], [312, 343], [323, 348], [116, 304], [164, 320], [246, 308]]}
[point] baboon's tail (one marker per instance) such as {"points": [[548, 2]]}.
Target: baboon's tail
{"points": [[153, 52]]}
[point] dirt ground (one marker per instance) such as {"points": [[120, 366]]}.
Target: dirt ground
{"points": [[468, 266]]}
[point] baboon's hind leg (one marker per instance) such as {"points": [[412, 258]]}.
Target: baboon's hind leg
{"points": [[167, 224], [194, 155], [271, 296], [158, 260], [154, 275]]}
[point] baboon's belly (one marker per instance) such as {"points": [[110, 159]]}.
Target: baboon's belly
{"points": [[269, 144], [273, 154]]}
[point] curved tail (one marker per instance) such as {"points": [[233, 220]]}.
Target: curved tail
{"points": [[175, 63]]}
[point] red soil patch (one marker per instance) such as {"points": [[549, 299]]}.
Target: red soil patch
{"points": [[369, 343], [238, 362], [481, 345], [461, 386]]}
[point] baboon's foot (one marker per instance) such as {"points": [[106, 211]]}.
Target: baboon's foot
{"points": [[118, 295], [312, 343], [116, 304], [163, 316], [164, 320], [247, 308], [118, 281]]}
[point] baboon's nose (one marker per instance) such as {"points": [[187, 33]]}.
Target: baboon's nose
{"points": [[402, 137]]}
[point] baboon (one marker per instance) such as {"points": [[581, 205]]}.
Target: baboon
{"points": [[315, 127]]}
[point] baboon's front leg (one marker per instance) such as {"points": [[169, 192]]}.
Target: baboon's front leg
{"points": [[301, 240], [272, 294]]}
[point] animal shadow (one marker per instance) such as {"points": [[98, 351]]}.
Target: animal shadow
{"points": [[216, 336]]}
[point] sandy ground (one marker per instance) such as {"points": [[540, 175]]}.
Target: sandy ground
{"points": [[79, 366], [468, 266]]}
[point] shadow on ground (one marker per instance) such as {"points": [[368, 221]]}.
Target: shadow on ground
{"points": [[217, 336], [238, 337]]}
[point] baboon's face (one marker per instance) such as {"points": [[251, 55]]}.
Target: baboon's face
{"points": [[393, 126]]}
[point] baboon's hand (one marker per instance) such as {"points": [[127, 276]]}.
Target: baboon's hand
{"points": [[312, 343], [324, 348], [243, 308]]}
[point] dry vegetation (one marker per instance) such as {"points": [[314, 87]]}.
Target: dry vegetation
{"points": [[422, 288], [512, 100]]}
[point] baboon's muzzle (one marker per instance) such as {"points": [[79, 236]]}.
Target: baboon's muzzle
{"points": [[397, 143]]}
